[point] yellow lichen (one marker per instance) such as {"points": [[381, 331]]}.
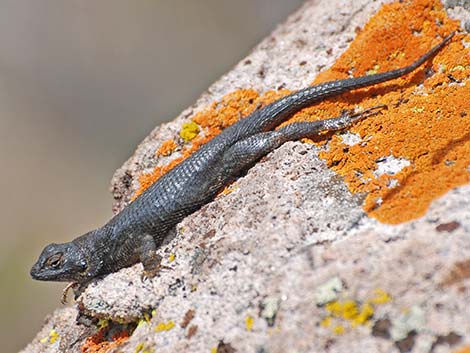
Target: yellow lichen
{"points": [[326, 322], [142, 348], [346, 310], [171, 257], [102, 323], [162, 326], [380, 297], [189, 131], [146, 319], [352, 311], [373, 71], [339, 329], [458, 68], [249, 321], [417, 109], [51, 338], [141, 323], [363, 316]]}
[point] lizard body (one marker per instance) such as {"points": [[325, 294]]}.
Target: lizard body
{"points": [[138, 230]]}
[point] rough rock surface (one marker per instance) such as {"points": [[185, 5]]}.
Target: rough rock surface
{"points": [[287, 261]]}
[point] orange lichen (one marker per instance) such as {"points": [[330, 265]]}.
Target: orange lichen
{"points": [[465, 349], [427, 125], [98, 343], [166, 148]]}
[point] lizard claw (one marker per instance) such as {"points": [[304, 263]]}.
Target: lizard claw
{"points": [[353, 115], [144, 277], [63, 299], [149, 274], [373, 108]]}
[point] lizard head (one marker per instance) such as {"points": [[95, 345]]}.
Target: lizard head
{"points": [[61, 262]]}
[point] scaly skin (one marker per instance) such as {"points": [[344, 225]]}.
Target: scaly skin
{"points": [[137, 231]]}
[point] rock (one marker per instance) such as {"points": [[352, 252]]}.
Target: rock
{"points": [[249, 269]]}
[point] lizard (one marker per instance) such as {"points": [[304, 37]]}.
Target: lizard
{"points": [[134, 234]]}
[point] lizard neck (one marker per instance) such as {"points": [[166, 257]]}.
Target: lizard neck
{"points": [[97, 246]]}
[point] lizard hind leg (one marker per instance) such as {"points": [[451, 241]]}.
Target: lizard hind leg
{"points": [[311, 129], [246, 152]]}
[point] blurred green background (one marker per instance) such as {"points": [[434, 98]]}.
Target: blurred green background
{"points": [[81, 84]]}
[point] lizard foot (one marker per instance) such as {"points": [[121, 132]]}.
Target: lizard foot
{"points": [[354, 115], [151, 261], [65, 292], [153, 268]]}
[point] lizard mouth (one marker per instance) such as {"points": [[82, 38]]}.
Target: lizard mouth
{"points": [[36, 272]]}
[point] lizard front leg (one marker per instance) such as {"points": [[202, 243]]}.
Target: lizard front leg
{"points": [[149, 257], [65, 292]]}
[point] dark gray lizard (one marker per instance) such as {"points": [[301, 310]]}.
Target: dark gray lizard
{"points": [[138, 230]]}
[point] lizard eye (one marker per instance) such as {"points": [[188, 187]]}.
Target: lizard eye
{"points": [[55, 260]]}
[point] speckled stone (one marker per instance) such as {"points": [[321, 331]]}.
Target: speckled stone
{"points": [[288, 227]]}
